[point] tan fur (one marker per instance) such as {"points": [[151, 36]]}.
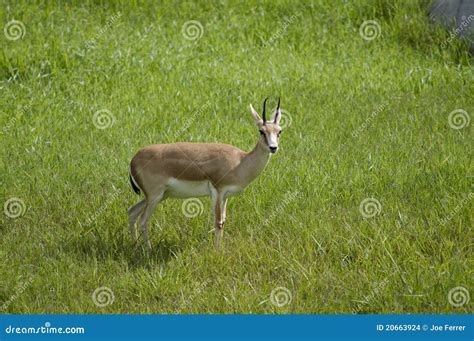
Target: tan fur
{"points": [[226, 169], [221, 164]]}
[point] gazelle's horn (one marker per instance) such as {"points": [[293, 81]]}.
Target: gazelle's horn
{"points": [[263, 113], [277, 110]]}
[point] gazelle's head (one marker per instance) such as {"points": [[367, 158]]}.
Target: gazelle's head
{"points": [[269, 130]]}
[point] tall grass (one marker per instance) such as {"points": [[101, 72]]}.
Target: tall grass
{"points": [[369, 119]]}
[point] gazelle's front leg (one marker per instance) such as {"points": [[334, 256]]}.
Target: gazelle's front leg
{"points": [[218, 205], [220, 212], [223, 210]]}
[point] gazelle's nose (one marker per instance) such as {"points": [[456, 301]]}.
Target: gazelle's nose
{"points": [[273, 149]]}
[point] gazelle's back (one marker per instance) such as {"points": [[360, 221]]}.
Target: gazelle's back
{"points": [[187, 161]]}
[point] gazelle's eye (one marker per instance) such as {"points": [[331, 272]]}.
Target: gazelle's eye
{"points": [[262, 132]]}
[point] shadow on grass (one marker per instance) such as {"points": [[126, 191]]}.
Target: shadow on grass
{"points": [[93, 244]]}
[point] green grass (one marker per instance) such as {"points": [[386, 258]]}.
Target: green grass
{"points": [[368, 119]]}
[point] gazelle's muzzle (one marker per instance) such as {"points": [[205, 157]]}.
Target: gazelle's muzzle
{"points": [[272, 142]]}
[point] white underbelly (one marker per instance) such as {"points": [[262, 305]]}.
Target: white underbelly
{"points": [[186, 189], [232, 190]]}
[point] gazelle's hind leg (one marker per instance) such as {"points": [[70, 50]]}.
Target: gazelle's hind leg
{"points": [[133, 213], [151, 204]]}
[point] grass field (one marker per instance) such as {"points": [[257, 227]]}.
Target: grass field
{"points": [[366, 117]]}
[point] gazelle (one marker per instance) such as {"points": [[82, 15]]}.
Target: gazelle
{"points": [[185, 170]]}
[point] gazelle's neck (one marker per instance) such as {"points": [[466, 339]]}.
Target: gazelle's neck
{"points": [[254, 162]]}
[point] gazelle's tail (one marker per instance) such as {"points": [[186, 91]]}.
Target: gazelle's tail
{"points": [[135, 187]]}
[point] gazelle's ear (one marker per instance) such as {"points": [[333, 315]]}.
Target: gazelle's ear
{"points": [[277, 117], [255, 115]]}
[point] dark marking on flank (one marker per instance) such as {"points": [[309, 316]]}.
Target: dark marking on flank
{"points": [[135, 188]]}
